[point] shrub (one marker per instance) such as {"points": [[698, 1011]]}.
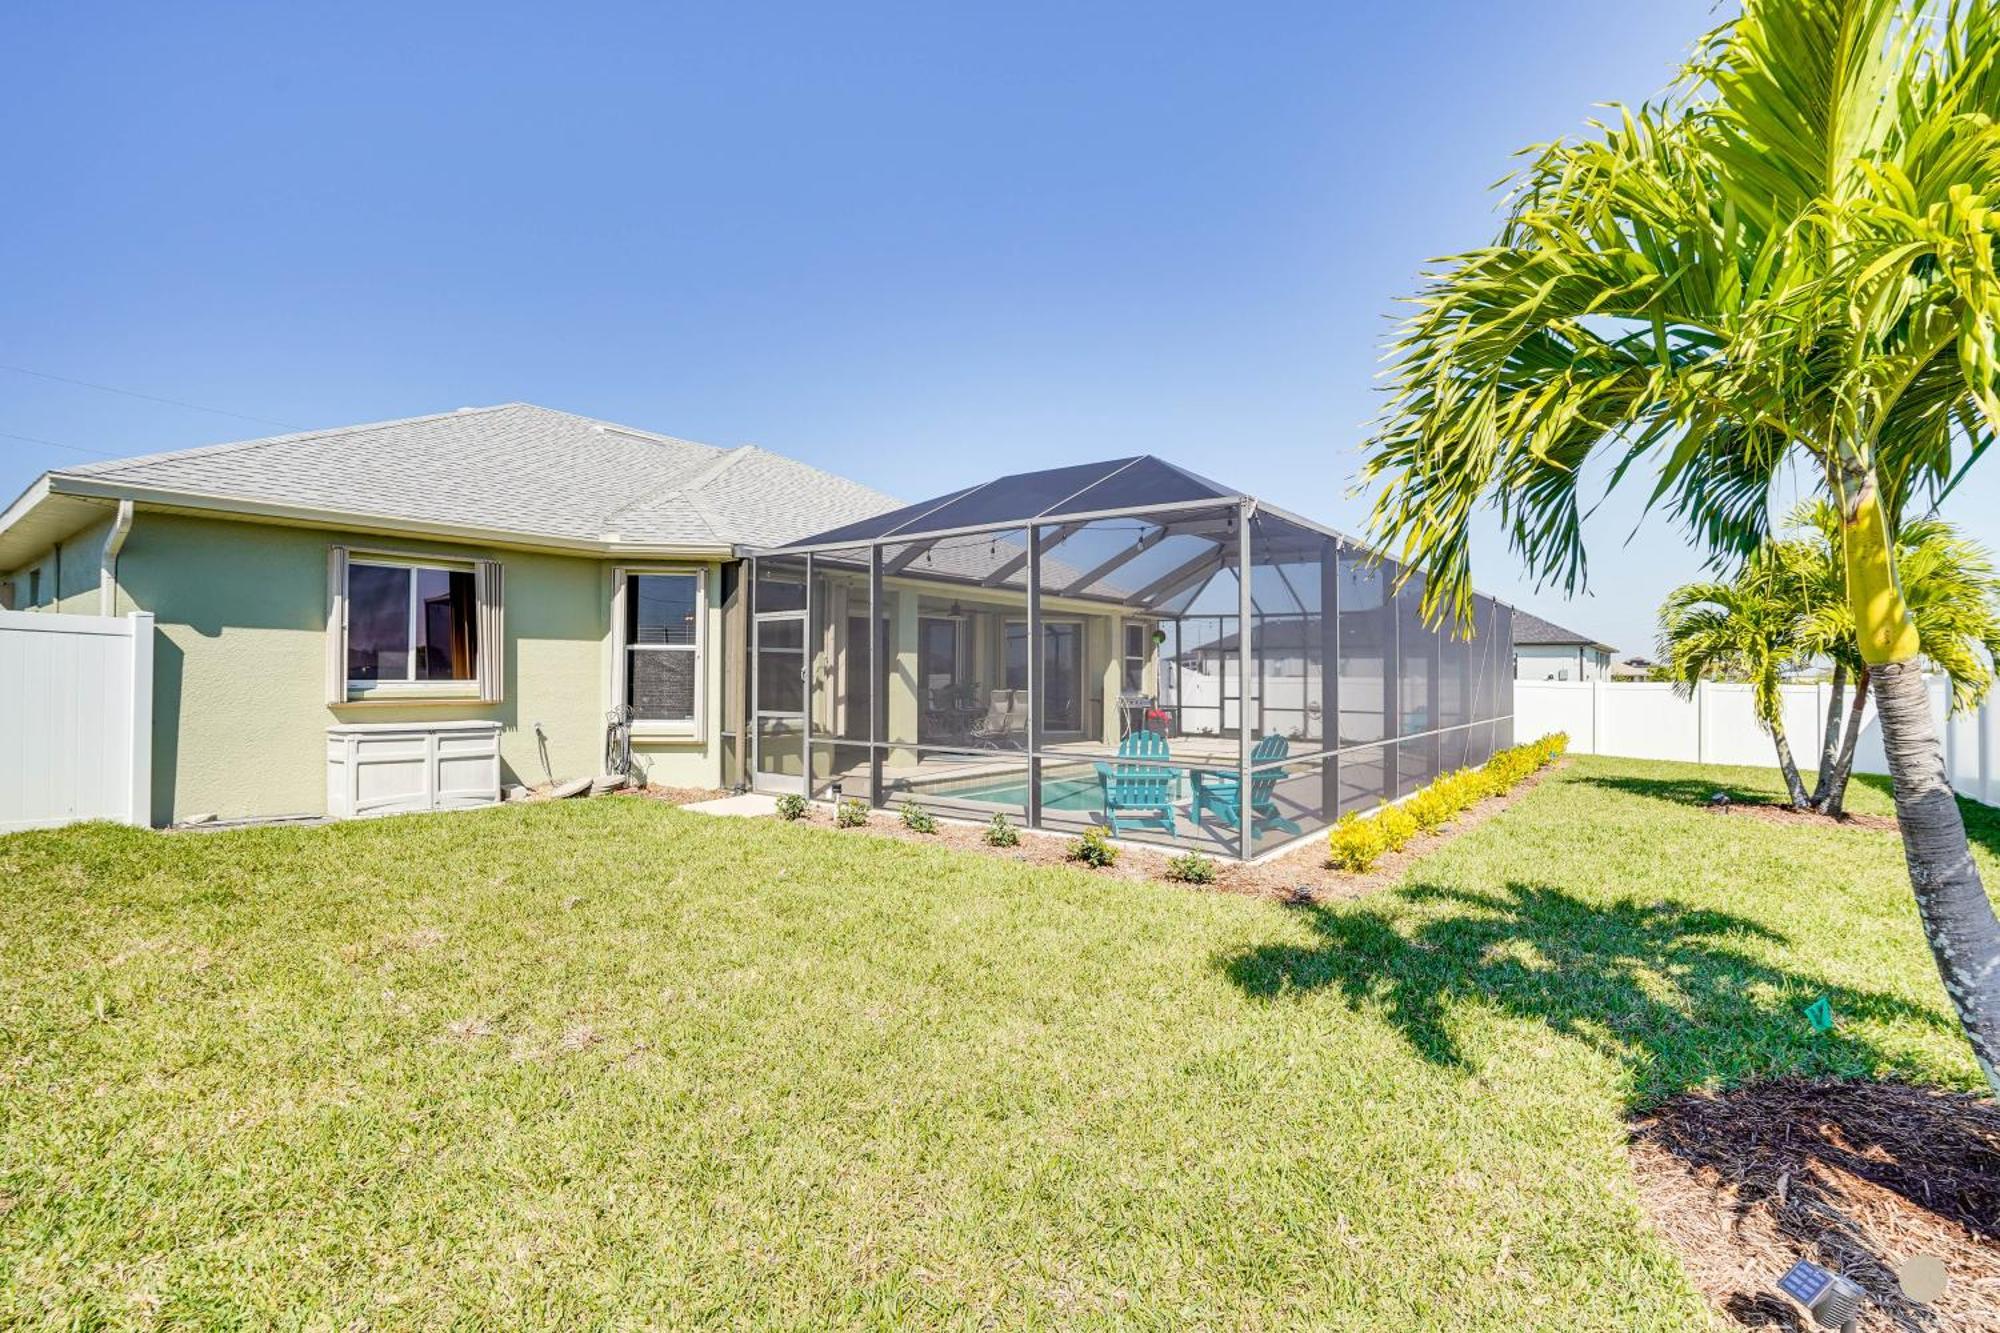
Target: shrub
{"points": [[1191, 868], [791, 806], [917, 819], [1434, 806], [1094, 847], [851, 814], [1398, 826], [1000, 833], [1356, 842]]}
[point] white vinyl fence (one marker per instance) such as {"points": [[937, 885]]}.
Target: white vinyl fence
{"points": [[1645, 720], [76, 719]]}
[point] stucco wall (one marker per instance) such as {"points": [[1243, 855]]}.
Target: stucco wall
{"points": [[1556, 662], [70, 572], [239, 694]]}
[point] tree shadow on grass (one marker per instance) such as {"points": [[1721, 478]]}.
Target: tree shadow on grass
{"points": [[1671, 991], [1686, 791], [1982, 822]]}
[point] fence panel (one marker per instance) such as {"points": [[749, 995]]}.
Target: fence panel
{"points": [[1646, 720], [76, 715]]}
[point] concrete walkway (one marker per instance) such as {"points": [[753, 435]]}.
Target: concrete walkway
{"points": [[746, 805]]}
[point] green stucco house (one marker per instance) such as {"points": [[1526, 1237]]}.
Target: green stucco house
{"points": [[511, 565]]}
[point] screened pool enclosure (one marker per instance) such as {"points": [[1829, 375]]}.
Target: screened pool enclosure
{"points": [[1082, 646]]}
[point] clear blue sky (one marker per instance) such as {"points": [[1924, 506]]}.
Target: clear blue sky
{"points": [[917, 246]]}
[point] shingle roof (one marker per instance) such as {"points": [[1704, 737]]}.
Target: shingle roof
{"points": [[517, 468], [1531, 628]]}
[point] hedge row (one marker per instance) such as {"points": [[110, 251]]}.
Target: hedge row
{"points": [[1357, 841]]}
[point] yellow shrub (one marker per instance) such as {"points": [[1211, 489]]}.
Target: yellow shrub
{"points": [[1356, 842], [1398, 826]]}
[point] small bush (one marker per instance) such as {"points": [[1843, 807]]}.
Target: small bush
{"points": [[1433, 807], [791, 806], [917, 819], [1356, 842], [1094, 848], [851, 814], [1000, 833], [1191, 868], [1398, 827]]}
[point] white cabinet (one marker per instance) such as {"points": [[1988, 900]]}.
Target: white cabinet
{"points": [[385, 768]]}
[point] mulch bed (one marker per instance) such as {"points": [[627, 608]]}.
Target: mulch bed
{"points": [[1300, 876], [679, 795], [1856, 1177], [1773, 813]]}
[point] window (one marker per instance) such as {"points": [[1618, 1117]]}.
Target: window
{"points": [[34, 587], [661, 634], [1062, 670], [938, 651], [410, 624], [1135, 658]]}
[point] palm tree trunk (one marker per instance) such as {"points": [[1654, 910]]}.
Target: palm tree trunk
{"points": [[1790, 768], [1830, 738], [1957, 915], [1843, 767]]}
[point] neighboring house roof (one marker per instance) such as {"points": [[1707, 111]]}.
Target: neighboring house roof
{"points": [[1532, 629], [511, 472]]}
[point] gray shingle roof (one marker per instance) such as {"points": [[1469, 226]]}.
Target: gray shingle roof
{"points": [[1531, 628], [517, 468]]}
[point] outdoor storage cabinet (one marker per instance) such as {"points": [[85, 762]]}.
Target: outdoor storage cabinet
{"points": [[385, 768]]}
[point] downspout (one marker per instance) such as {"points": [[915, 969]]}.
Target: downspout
{"points": [[107, 573]]}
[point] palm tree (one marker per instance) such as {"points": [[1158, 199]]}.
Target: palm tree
{"points": [[1953, 593], [1788, 259], [1745, 628]]}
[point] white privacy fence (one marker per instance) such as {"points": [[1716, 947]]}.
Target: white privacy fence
{"points": [[1645, 720], [76, 719]]}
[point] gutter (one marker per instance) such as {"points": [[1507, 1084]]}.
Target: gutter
{"points": [[107, 576]]}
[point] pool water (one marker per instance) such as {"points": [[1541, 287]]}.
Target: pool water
{"points": [[1081, 794]]}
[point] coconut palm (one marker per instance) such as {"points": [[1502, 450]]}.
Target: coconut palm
{"points": [[1953, 592], [1744, 629], [1788, 259]]}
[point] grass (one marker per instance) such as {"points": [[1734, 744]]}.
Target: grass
{"points": [[608, 1063]]}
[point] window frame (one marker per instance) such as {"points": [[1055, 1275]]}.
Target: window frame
{"points": [[696, 727], [409, 686], [1128, 659]]}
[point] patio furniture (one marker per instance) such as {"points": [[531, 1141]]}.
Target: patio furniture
{"points": [[1136, 791], [1006, 721], [1220, 794]]}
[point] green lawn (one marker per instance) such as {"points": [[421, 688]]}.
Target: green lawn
{"points": [[608, 1062]]}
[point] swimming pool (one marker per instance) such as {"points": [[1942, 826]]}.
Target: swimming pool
{"points": [[1079, 794]]}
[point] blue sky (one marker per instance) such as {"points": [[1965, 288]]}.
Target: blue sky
{"points": [[917, 246]]}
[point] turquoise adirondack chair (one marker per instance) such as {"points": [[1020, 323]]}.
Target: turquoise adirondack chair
{"points": [[1135, 791], [1220, 794]]}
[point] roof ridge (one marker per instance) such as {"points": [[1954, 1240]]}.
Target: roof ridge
{"points": [[112, 465], [636, 432], [681, 487]]}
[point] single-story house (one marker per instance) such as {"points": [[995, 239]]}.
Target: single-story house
{"points": [[414, 613], [1544, 650], [509, 564]]}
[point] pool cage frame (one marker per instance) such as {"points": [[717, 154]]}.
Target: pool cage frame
{"points": [[1028, 540]]}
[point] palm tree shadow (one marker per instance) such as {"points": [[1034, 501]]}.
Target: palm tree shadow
{"points": [[1670, 990], [1982, 822], [1679, 791]]}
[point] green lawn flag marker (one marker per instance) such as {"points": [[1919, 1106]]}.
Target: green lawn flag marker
{"points": [[1820, 1014]]}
